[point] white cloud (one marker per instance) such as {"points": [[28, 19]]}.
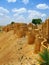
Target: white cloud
{"points": [[19, 18], [3, 10], [20, 15], [20, 10], [25, 1], [30, 14], [16, 14], [42, 6], [1, 14], [35, 14], [4, 20], [11, 1], [4, 16], [43, 15]]}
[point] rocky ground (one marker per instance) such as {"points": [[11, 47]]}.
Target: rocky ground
{"points": [[16, 51]]}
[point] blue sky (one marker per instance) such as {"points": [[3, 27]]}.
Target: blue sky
{"points": [[23, 10]]}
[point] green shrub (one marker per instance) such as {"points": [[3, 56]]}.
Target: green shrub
{"points": [[45, 57]]}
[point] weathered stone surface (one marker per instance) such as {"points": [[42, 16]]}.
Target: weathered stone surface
{"points": [[38, 41], [45, 29], [31, 37], [16, 51]]}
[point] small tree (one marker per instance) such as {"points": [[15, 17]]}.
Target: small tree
{"points": [[12, 22], [36, 21]]}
